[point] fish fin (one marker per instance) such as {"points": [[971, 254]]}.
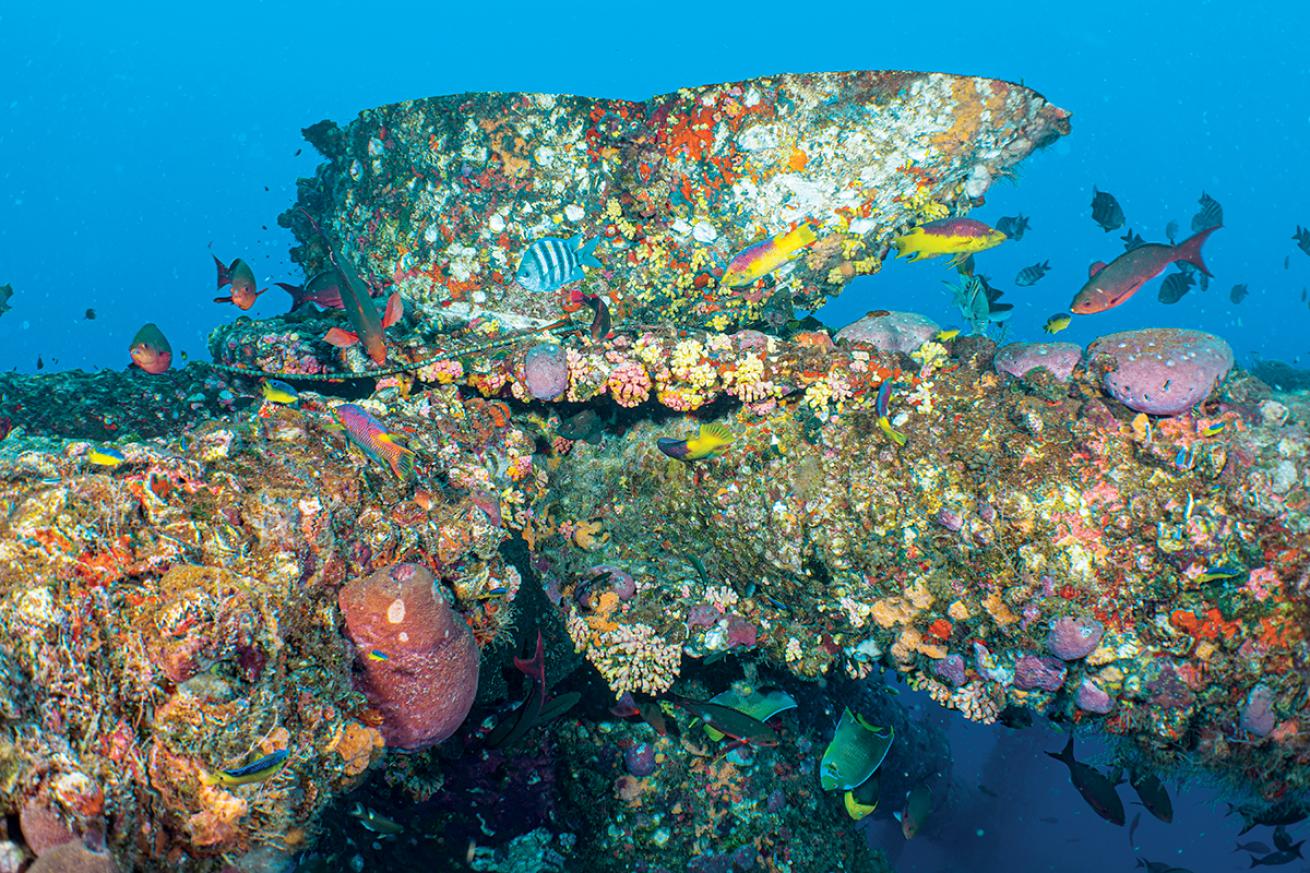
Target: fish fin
{"points": [[1189, 250], [1095, 268], [402, 462], [717, 430], [224, 273], [892, 433], [297, 293], [227, 299], [586, 254], [342, 339], [394, 312]]}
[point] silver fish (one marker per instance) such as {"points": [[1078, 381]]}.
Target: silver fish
{"points": [[551, 263]]}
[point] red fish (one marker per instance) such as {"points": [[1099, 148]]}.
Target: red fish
{"points": [[1108, 285], [368, 328], [361, 312], [242, 279], [324, 289], [150, 350], [377, 442]]}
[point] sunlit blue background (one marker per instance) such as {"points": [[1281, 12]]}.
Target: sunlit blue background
{"points": [[133, 139], [135, 135]]}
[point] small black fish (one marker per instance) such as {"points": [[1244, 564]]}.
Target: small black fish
{"points": [[1093, 785], [1255, 847], [1277, 859], [1194, 273], [1238, 294], [600, 321], [1175, 287], [1171, 232], [1303, 295], [1132, 240], [1154, 796], [40, 364], [90, 315], [1106, 210], [6, 291], [1032, 274], [1287, 262], [1302, 237], [1282, 839], [1013, 226], [297, 154], [1211, 214]]}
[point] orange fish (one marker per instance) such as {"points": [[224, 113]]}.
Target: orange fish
{"points": [[150, 350], [242, 279], [1108, 285]]}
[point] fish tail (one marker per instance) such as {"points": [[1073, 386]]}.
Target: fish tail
{"points": [[401, 462], [892, 433], [586, 253], [1189, 250], [1066, 754], [224, 273]]}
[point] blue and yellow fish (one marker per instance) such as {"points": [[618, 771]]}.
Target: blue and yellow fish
{"points": [[378, 655], [1214, 428], [708, 442], [1057, 322], [256, 771], [277, 391], [105, 456], [1215, 574]]}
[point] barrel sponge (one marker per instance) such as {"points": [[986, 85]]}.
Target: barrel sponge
{"points": [[418, 660]]}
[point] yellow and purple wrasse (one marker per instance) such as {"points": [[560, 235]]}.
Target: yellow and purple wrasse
{"points": [[104, 456], [277, 391], [708, 442], [256, 771], [376, 441], [762, 258], [958, 237], [945, 336], [1057, 322], [378, 655], [1214, 428], [884, 421]]}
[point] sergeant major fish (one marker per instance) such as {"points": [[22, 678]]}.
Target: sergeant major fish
{"points": [[1032, 274], [551, 263], [1106, 210]]}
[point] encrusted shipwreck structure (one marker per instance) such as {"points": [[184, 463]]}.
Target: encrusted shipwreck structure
{"points": [[1113, 537]]}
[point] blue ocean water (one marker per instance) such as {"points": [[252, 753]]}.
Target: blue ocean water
{"points": [[133, 142]]}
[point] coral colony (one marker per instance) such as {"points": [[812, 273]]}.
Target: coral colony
{"points": [[265, 598]]}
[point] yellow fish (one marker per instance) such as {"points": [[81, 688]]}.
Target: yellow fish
{"points": [[762, 258], [256, 771], [958, 237], [105, 457], [862, 800], [708, 442], [1057, 322], [1214, 428], [945, 336], [276, 391]]}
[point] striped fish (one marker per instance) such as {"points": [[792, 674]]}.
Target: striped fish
{"points": [[551, 263]]}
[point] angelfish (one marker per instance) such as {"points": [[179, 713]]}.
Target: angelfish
{"points": [[238, 274], [150, 349], [1109, 285]]}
